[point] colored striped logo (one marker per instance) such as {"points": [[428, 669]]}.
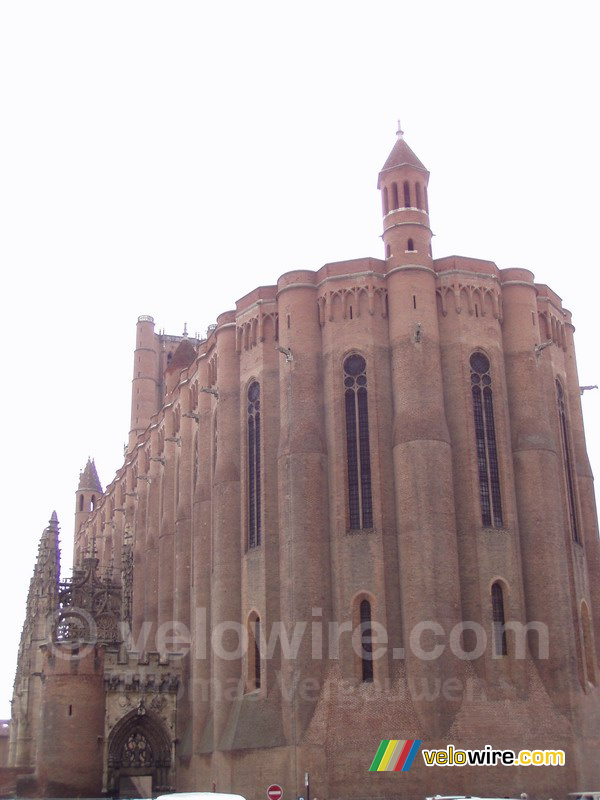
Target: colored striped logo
{"points": [[395, 755]]}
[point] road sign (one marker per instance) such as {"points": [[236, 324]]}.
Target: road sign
{"points": [[274, 792]]}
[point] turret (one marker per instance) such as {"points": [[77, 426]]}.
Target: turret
{"points": [[42, 601], [426, 524], [403, 183], [88, 493], [144, 389]]}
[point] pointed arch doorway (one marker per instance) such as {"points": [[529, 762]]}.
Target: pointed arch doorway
{"points": [[139, 756]]}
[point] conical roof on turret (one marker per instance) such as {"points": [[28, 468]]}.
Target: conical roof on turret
{"points": [[88, 479], [402, 155]]}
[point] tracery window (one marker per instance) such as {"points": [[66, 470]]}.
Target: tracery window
{"points": [[498, 621], [137, 751], [567, 462], [254, 463], [366, 640], [485, 436], [360, 502]]}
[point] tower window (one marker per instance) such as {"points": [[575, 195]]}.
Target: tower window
{"points": [[567, 462], [394, 195], [388, 251], [384, 200], [410, 245], [498, 621], [406, 194], [254, 506], [418, 195], [366, 640], [81, 502], [360, 503], [485, 436]]}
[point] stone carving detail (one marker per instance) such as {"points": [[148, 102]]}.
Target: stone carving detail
{"points": [[89, 606], [127, 576]]}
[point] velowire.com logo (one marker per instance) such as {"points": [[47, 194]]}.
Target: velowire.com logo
{"points": [[395, 755]]}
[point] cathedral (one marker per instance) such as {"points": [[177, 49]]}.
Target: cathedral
{"points": [[359, 510]]}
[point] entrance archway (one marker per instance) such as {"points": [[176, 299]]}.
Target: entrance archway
{"points": [[139, 756]]}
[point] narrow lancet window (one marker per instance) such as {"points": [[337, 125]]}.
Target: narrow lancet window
{"points": [[360, 503], [394, 195], [254, 463], [366, 640], [485, 436], [406, 194], [498, 621], [567, 462]]}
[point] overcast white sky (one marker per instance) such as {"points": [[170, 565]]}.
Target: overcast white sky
{"points": [[166, 158]]}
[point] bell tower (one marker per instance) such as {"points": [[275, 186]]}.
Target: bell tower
{"points": [[403, 183]]}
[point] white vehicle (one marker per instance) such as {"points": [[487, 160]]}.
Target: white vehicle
{"points": [[200, 796]]}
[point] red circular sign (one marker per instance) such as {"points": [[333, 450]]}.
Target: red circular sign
{"points": [[274, 792]]}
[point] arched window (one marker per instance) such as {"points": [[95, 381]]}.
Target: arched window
{"points": [[410, 245], [81, 502], [394, 195], [93, 502], [388, 251], [498, 621], [567, 462], [384, 200], [254, 665], [366, 640], [426, 200], [485, 436], [406, 194], [254, 509], [418, 195], [360, 503]]}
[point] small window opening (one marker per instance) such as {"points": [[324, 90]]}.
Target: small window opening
{"points": [[70, 710], [350, 312], [366, 639], [411, 245], [498, 620], [394, 196], [289, 321], [384, 200], [406, 195], [418, 195], [476, 310], [388, 251], [414, 300]]}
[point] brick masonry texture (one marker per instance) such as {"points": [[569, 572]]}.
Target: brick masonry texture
{"points": [[180, 508]]}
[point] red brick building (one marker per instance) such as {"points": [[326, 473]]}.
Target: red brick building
{"points": [[381, 462]]}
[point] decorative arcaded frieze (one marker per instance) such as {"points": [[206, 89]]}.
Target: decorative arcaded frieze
{"points": [[476, 300], [257, 329], [352, 302]]}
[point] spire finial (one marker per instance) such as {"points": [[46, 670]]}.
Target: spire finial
{"points": [[400, 132], [185, 330]]}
